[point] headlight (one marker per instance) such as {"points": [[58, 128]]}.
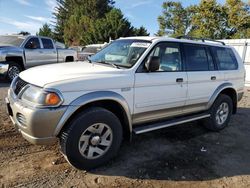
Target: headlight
{"points": [[39, 97]]}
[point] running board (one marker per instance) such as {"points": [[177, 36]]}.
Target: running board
{"points": [[169, 123]]}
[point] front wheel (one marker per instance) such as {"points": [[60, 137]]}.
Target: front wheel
{"points": [[92, 138], [221, 112], [13, 71]]}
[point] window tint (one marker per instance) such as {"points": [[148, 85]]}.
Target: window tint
{"points": [[47, 44], [33, 43], [225, 58], [170, 57], [196, 58]]}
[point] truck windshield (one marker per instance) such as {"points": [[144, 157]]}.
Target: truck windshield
{"points": [[11, 40], [122, 53]]}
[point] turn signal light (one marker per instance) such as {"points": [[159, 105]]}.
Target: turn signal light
{"points": [[52, 99]]}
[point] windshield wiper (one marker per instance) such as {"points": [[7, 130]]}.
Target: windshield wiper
{"points": [[107, 63]]}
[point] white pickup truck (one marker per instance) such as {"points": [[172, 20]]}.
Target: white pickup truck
{"points": [[18, 53]]}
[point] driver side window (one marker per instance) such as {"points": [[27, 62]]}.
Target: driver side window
{"points": [[33, 43], [169, 55]]}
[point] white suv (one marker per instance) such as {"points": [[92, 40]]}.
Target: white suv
{"points": [[134, 85]]}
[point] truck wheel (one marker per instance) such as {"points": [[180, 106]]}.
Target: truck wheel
{"points": [[13, 71], [221, 112], [92, 138]]}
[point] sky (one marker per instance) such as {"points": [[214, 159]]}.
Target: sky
{"points": [[30, 15]]}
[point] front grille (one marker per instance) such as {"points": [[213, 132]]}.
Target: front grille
{"points": [[19, 85], [21, 119]]}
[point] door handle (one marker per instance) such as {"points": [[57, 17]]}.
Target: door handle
{"points": [[213, 77], [179, 80], [41, 52]]}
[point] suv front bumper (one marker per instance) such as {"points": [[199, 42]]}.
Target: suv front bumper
{"points": [[37, 125], [3, 69]]}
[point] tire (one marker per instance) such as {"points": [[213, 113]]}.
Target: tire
{"points": [[13, 71], [220, 117], [87, 125]]}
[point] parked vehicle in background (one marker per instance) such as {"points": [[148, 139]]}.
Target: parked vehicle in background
{"points": [[135, 84], [242, 46], [89, 50], [18, 53]]}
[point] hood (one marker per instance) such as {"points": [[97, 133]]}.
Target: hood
{"points": [[70, 76], [5, 49]]}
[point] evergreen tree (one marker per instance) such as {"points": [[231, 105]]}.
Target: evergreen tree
{"points": [[45, 31], [94, 9], [141, 31]]}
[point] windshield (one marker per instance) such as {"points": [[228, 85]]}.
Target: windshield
{"points": [[11, 40], [124, 53]]}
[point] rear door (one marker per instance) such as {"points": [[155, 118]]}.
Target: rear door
{"points": [[203, 76], [49, 51]]}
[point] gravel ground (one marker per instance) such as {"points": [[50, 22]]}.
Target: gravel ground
{"points": [[182, 156]]}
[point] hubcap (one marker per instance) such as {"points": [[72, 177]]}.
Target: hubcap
{"points": [[222, 113], [13, 72], [95, 141]]}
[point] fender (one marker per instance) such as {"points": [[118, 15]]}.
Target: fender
{"points": [[93, 97], [218, 90]]}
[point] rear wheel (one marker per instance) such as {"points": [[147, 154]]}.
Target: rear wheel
{"points": [[221, 112], [13, 71], [92, 138]]}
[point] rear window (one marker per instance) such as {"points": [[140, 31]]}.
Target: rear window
{"points": [[92, 50], [196, 58], [47, 44], [225, 58]]}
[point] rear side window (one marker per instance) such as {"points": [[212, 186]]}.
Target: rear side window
{"points": [[197, 58], [225, 58], [47, 44]]}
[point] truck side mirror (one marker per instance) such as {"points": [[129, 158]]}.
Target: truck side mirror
{"points": [[153, 64]]}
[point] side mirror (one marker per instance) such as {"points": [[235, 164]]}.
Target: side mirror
{"points": [[153, 64]]}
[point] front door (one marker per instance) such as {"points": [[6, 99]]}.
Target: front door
{"points": [[162, 93], [33, 53]]}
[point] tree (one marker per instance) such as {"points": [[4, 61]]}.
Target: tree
{"points": [[24, 33], [208, 19], [238, 18], [45, 31], [82, 30], [141, 31], [173, 19], [95, 9]]}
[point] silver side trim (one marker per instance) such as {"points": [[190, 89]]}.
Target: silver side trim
{"points": [[167, 112], [153, 127]]}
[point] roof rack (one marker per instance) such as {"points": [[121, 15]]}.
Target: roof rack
{"points": [[202, 39]]}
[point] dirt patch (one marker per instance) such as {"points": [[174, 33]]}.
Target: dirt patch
{"points": [[182, 156]]}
